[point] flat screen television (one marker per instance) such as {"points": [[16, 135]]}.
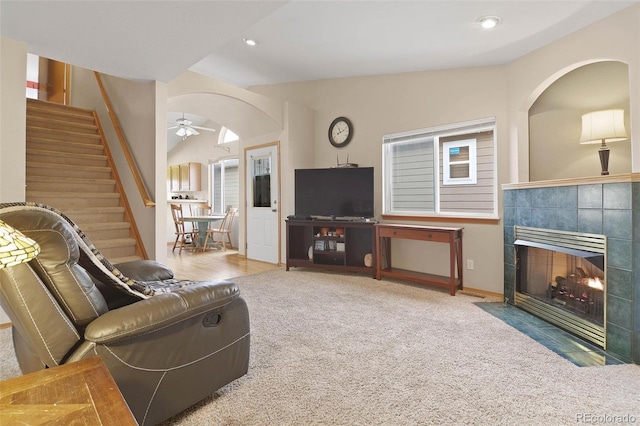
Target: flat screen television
{"points": [[343, 193]]}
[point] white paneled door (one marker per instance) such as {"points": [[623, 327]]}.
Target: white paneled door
{"points": [[263, 204]]}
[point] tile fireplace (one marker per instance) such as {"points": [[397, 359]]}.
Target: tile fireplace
{"points": [[597, 287]]}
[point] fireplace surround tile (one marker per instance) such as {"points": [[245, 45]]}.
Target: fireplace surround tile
{"points": [[567, 197], [617, 196], [619, 282], [590, 221], [619, 312], [544, 198], [523, 199], [540, 217], [619, 253], [619, 341], [565, 219], [590, 196], [617, 223]]}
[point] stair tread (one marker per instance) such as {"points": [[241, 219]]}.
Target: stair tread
{"points": [[63, 179], [105, 225], [84, 145], [76, 210], [64, 154], [72, 194], [37, 104], [41, 121], [31, 128], [117, 260], [42, 165], [115, 242]]}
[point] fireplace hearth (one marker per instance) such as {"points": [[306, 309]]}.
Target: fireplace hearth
{"points": [[560, 278]]}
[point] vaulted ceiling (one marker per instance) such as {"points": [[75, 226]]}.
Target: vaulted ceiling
{"points": [[297, 40]]}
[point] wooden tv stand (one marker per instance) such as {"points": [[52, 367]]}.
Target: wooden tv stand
{"points": [[312, 244], [453, 236]]}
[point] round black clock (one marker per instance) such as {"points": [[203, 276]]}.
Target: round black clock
{"points": [[340, 132]]}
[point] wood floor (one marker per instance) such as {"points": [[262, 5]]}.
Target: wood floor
{"points": [[213, 265]]}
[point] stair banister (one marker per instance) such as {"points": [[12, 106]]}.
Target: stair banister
{"points": [[144, 194]]}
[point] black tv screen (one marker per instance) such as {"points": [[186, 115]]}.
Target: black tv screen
{"points": [[339, 192]]}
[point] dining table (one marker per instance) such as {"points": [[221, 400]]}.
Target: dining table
{"points": [[202, 223]]}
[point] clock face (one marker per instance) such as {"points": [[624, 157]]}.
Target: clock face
{"points": [[340, 132]]}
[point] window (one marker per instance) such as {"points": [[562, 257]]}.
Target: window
{"points": [[441, 171], [459, 162], [224, 185], [227, 135]]}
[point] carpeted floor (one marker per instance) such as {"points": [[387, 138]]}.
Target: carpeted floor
{"points": [[332, 349]]}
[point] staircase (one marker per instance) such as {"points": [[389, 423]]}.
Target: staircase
{"points": [[68, 168]]}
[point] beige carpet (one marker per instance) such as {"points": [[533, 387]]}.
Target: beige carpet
{"points": [[331, 349]]}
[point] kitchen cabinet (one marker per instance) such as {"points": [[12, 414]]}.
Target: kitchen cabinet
{"points": [[185, 177]]}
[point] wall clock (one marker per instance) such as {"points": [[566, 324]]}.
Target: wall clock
{"points": [[340, 132]]}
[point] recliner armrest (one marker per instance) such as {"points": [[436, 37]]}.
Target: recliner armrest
{"points": [[145, 270], [160, 311]]}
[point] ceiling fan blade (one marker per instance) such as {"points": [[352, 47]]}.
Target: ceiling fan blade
{"points": [[204, 128], [173, 127]]}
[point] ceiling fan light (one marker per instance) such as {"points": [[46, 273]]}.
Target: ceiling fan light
{"points": [[181, 132]]}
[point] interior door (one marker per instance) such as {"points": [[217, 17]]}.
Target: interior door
{"points": [[263, 204]]}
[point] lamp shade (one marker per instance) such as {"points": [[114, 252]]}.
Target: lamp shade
{"points": [[603, 126], [15, 248]]}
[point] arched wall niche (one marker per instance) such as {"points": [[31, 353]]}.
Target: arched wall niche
{"points": [[555, 121]]}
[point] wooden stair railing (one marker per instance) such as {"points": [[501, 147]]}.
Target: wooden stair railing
{"points": [[148, 202]]}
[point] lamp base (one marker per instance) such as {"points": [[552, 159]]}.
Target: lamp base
{"points": [[604, 159]]}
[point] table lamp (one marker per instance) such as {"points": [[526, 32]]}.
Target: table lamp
{"points": [[602, 127], [15, 248]]}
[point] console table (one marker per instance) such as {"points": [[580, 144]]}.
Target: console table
{"points": [[452, 236]]}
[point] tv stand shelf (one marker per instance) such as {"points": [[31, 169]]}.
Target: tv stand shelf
{"points": [[318, 244]]}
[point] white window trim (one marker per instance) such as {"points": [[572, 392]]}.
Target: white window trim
{"points": [[472, 179], [481, 125]]}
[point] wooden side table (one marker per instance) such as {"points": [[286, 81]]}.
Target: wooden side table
{"points": [[79, 393], [452, 236]]}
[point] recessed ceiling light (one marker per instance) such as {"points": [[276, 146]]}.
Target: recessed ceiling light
{"points": [[250, 41], [489, 22]]}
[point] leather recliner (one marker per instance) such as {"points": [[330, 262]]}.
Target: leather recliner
{"points": [[167, 343]]}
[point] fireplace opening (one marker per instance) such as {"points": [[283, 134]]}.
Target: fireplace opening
{"points": [[560, 277]]}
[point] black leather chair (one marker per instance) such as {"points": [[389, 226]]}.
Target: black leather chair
{"points": [[168, 343]]}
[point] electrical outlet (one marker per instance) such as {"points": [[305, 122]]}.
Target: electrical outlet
{"points": [[469, 263]]}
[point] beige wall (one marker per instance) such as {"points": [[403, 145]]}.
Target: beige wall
{"points": [[555, 123], [616, 38], [392, 103], [134, 105], [13, 111]]}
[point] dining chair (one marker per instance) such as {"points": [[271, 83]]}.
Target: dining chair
{"points": [[224, 230], [181, 232]]}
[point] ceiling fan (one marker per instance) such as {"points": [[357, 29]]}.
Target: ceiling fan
{"points": [[186, 128]]}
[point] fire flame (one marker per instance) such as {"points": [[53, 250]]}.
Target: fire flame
{"points": [[595, 283]]}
